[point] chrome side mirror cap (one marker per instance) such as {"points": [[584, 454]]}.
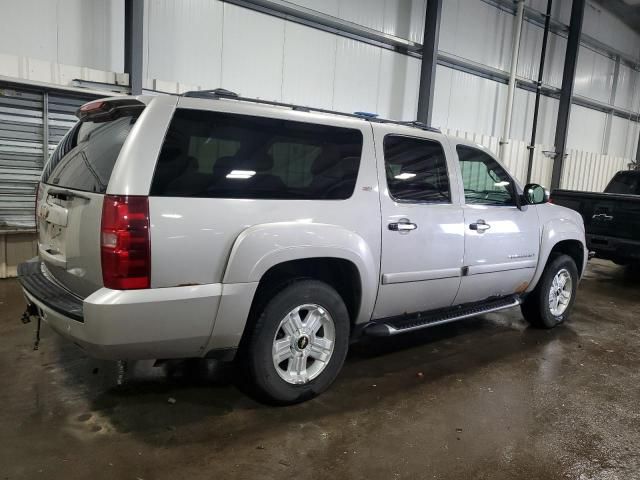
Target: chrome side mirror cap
{"points": [[535, 194]]}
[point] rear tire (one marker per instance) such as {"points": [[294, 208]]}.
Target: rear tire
{"points": [[298, 344], [550, 303]]}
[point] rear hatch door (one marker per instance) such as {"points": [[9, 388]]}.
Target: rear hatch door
{"points": [[72, 192]]}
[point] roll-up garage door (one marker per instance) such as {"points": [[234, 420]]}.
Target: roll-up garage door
{"points": [[24, 129], [21, 155]]}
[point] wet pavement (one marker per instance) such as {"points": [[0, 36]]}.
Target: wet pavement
{"points": [[483, 399]]}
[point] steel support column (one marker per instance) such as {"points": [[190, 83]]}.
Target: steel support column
{"points": [[133, 39], [612, 101], [536, 107], [566, 91], [429, 60]]}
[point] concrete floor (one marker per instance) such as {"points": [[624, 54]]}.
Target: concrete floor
{"points": [[486, 398]]}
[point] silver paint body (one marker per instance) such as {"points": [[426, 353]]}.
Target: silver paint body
{"points": [[208, 255]]}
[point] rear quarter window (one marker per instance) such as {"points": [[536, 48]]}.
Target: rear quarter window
{"points": [[221, 155]]}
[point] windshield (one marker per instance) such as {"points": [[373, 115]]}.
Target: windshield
{"points": [[626, 183]]}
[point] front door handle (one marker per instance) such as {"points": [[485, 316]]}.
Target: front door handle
{"points": [[602, 216], [480, 226], [405, 226]]}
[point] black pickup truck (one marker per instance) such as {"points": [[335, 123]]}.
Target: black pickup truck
{"points": [[611, 219]]}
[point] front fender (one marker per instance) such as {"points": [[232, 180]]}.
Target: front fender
{"points": [[554, 231], [260, 247]]}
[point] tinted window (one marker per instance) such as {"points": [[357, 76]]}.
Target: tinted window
{"points": [[85, 157], [212, 154], [626, 183], [485, 181], [416, 169]]}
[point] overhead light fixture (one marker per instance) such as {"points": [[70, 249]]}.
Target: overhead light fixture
{"points": [[241, 174], [404, 176]]}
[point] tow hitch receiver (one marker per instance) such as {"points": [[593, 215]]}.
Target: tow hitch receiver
{"points": [[32, 311]]}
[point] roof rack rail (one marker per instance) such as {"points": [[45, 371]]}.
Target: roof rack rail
{"points": [[219, 93]]}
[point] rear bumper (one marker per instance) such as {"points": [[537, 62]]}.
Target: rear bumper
{"points": [[614, 248], [175, 322]]}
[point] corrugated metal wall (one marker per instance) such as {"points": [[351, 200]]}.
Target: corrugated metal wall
{"points": [[208, 43], [23, 131], [87, 33], [21, 155], [583, 170]]}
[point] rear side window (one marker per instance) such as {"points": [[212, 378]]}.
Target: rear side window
{"points": [[416, 170], [221, 155], [626, 183], [85, 157]]}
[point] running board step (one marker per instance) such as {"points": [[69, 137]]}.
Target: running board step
{"points": [[406, 323]]}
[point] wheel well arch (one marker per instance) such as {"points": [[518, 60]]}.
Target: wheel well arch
{"points": [[339, 273], [572, 248]]}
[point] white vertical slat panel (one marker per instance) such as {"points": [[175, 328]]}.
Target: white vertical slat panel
{"points": [[606, 27], [369, 13], [401, 18], [330, 7], [309, 66], [442, 97], [554, 60], [530, 47], [602, 78], [632, 140], [560, 11], [91, 33], [522, 118], [529, 58], [356, 79], [177, 34], [586, 129], [547, 117], [542, 165], [476, 104], [626, 85], [589, 171], [399, 77], [252, 54], [404, 18], [477, 31], [88, 33], [621, 130]]}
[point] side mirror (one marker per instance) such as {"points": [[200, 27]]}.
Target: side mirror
{"points": [[535, 194]]}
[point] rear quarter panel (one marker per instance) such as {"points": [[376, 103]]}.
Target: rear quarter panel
{"points": [[192, 238]]}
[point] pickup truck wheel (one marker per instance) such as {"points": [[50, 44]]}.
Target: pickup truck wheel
{"points": [[298, 344], [549, 304]]}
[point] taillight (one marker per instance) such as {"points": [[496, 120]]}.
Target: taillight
{"points": [[125, 242]]}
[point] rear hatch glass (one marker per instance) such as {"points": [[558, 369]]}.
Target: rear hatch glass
{"points": [[74, 182]]}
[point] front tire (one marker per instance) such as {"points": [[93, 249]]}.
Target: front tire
{"points": [[298, 344], [550, 303]]}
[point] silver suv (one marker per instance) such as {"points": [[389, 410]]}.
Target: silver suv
{"points": [[210, 225]]}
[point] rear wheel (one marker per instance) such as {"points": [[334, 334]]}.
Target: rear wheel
{"points": [[298, 344], [550, 303]]}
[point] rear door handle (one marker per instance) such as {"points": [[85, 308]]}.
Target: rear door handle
{"points": [[405, 226], [602, 216], [480, 226]]}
